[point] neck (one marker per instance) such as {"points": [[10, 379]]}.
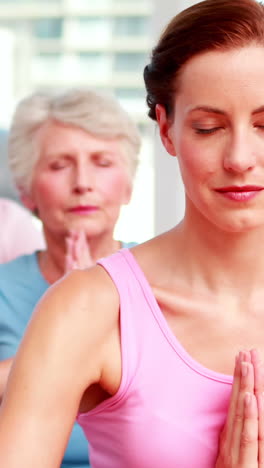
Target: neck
{"points": [[220, 260], [52, 260]]}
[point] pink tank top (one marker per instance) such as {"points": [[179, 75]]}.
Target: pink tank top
{"points": [[169, 409]]}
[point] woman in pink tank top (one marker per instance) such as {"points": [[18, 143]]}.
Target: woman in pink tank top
{"points": [[158, 350]]}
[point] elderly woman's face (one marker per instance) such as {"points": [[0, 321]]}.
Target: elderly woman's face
{"points": [[217, 133], [80, 181]]}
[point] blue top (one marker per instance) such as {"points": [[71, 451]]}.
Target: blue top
{"points": [[21, 287]]}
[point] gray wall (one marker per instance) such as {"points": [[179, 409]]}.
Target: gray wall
{"points": [[169, 193], [6, 186]]}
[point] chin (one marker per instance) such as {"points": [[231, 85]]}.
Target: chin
{"points": [[86, 225], [240, 224]]}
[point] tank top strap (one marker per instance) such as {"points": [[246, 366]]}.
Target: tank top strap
{"points": [[125, 274], [136, 317]]}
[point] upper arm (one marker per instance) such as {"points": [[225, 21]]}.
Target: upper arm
{"points": [[61, 354], [4, 372]]}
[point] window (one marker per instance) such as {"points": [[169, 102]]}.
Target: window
{"points": [[76, 4], [84, 30], [48, 28], [130, 93], [131, 26], [95, 63], [129, 62]]}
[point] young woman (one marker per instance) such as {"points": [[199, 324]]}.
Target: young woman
{"points": [[142, 346], [73, 157]]}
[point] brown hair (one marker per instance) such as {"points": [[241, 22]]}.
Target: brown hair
{"points": [[208, 25]]}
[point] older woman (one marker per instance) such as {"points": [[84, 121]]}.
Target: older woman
{"points": [[73, 157]]}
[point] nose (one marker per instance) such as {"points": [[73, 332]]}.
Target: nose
{"points": [[83, 179], [240, 154]]}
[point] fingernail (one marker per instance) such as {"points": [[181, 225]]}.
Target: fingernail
{"points": [[244, 369]]}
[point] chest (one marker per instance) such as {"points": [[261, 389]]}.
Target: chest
{"points": [[170, 415], [213, 332]]}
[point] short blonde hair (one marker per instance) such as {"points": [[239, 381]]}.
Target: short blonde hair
{"points": [[96, 113]]}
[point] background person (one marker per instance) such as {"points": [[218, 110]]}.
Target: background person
{"points": [[73, 157]]}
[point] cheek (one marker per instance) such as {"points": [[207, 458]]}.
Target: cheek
{"points": [[195, 162], [46, 191], [114, 186]]}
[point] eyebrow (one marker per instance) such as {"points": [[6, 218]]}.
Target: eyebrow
{"points": [[70, 154], [214, 110], [58, 154]]}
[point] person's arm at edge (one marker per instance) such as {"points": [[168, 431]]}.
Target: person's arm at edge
{"points": [[5, 367], [61, 354]]}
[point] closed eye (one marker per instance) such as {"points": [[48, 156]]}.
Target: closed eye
{"points": [[104, 163], [207, 131], [102, 160], [58, 166]]}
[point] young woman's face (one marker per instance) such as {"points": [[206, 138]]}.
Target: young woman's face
{"points": [[80, 181], [217, 133]]}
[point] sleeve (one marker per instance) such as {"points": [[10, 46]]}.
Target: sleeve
{"points": [[12, 307], [9, 339]]}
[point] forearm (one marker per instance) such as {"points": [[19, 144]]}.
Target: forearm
{"points": [[5, 367]]}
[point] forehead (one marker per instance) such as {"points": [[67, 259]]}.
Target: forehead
{"points": [[228, 79], [55, 137]]}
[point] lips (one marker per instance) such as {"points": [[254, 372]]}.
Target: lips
{"points": [[83, 208], [237, 188], [243, 193]]}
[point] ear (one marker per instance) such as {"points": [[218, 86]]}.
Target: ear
{"points": [[27, 199], [164, 128]]}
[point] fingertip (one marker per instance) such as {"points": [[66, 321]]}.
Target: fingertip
{"points": [[244, 369], [255, 355]]}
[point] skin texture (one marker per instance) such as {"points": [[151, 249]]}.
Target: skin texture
{"points": [[221, 297]]}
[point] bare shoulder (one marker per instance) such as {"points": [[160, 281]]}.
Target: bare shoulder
{"points": [[82, 295], [73, 322]]}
